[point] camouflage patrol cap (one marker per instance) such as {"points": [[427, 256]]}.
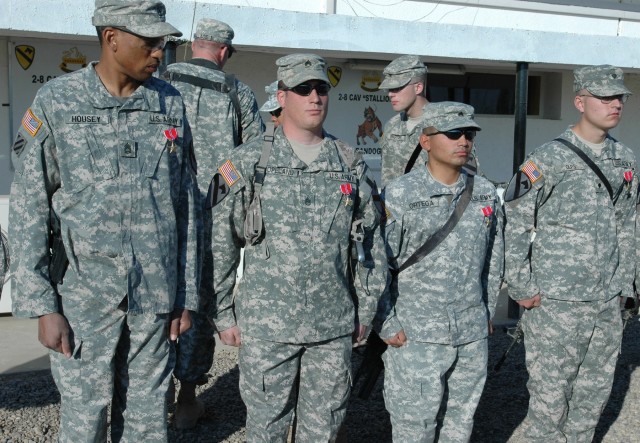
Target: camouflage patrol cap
{"points": [[294, 69], [400, 71], [272, 102], [445, 116], [214, 31], [145, 18], [602, 80]]}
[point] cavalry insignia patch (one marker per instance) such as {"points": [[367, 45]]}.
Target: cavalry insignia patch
{"points": [[518, 186], [532, 171], [218, 190], [31, 123], [19, 144], [334, 73], [25, 55], [229, 173]]}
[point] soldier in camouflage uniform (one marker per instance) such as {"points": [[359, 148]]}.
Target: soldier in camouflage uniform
{"points": [[271, 105], [222, 114], [405, 80], [292, 311], [570, 255], [438, 320], [108, 148]]}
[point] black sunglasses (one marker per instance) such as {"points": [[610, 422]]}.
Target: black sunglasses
{"points": [[455, 134], [305, 89]]}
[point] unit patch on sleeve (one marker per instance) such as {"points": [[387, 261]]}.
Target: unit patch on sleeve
{"points": [[19, 144], [218, 190], [31, 123]]}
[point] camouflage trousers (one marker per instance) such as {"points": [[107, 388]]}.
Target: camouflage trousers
{"points": [[117, 357], [195, 348], [429, 385], [268, 372], [194, 351], [571, 353]]}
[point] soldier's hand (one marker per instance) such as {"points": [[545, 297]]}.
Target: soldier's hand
{"points": [[53, 333], [397, 340], [529, 303], [180, 323], [231, 336], [358, 333], [490, 327]]}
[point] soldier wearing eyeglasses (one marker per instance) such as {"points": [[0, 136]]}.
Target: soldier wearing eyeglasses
{"points": [[436, 320], [292, 312], [108, 150], [570, 259], [223, 114]]}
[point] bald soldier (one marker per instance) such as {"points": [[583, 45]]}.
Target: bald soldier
{"points": [[570, 258], [223, 113], [437, 316], [107, 151], [292, 201]]}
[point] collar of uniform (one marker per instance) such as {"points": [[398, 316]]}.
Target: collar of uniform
{"points": [[435, 188], [100, 98], [204, 63], [328, 159], [608, 151]]}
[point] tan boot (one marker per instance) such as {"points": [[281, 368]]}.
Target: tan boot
{"points": [[188, 409]]}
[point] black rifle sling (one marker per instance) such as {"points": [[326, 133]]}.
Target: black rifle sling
{"points": [[442, 233], [231, 83], [585, 158], [412, 160]]}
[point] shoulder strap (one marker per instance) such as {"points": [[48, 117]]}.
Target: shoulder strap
{"points": [[412, 160], [253, 225], [230, 81], [195, 81], [346, 152], [261, 167], [585, 158], [442, 233]]}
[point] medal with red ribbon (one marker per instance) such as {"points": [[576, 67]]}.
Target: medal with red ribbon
{"points": [[488, 212], [628, 178], [172, 135], [346, 190]]}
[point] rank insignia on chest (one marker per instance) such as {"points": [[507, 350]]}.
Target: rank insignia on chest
{"points": [[171, 135], [229, 173], [531, 171], [346, 190]]}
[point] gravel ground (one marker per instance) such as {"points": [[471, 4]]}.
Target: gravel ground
{"points": [[29, 402]]}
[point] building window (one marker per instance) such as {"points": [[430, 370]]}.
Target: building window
{"points": [[493, 94]]}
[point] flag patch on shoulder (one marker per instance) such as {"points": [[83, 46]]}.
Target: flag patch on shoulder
{"points": [[229, 173], [31, 123], [531, 171]]}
